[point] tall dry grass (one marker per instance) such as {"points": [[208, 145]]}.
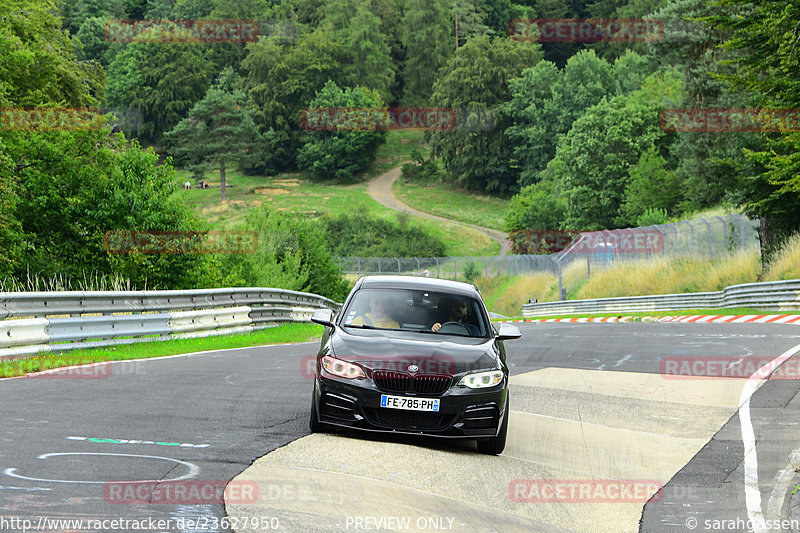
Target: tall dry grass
{"points": [[661, 275], [505, 295], [786, 263]]}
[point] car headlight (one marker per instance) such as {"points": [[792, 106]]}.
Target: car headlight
{"points": [[482, 380], [340, 368]]}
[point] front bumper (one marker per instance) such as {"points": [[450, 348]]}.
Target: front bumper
{"points": [[463, 413]]}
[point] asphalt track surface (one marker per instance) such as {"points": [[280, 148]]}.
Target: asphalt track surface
{"points": [[588, 403]]}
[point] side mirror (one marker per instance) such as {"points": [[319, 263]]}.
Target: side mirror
{"points": [[324, 317], [508, 332]]}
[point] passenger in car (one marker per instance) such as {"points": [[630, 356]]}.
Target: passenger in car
{"points": [[378, 315], [457, 311]]}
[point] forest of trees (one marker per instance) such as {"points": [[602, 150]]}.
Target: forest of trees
{"points": [[575, 139]]}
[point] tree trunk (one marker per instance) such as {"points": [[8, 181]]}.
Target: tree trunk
{"points": [[222, 180]]}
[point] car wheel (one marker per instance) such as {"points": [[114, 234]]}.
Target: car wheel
{"points": [[496, 445], [313, 422]]}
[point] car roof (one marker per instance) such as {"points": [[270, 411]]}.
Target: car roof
{"points": [[418, 283]]}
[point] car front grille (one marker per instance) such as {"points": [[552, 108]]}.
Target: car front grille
{"points": [[424, 384], [410, 420]]}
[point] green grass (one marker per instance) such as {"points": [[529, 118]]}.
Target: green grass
{"points": [[452, 203], [302, 193], [296, 332], [396, 150]]}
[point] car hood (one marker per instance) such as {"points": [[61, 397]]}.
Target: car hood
{"points": [[432, 354]]}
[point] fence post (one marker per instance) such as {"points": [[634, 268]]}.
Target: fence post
{"points": [[675, 229], [419, 271], [692, 234], [708, 228], [438, 275], [724, 232], [741, 220]]}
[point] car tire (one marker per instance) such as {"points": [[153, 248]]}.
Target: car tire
{"points": [[313, 423], [496, 445]]}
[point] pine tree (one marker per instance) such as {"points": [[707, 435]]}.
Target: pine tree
{"points": [[219, 129]]}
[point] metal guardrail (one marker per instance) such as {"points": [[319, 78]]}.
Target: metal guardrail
{"points": [[32, 322], [773, 295]]}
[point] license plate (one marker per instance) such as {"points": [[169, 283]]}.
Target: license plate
{"points": [[411, 404]]}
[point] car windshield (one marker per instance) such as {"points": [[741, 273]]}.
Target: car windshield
{"points": [[416, 310]]}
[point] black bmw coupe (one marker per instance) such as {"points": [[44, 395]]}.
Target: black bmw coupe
{"points": [[415, 356]]}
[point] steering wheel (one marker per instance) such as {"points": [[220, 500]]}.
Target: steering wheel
{"points": [[459, 328]]}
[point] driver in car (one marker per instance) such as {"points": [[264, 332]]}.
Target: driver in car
{"points": [[378, 315], [457, 311]]}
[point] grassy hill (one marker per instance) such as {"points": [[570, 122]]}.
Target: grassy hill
{"points": [[301, 193]]}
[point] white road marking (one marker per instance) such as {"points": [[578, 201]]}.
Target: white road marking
{"points": [[752, 492], [193, 469]]}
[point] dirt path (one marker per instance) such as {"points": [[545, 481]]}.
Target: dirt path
{"points": [[380, 189]]}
